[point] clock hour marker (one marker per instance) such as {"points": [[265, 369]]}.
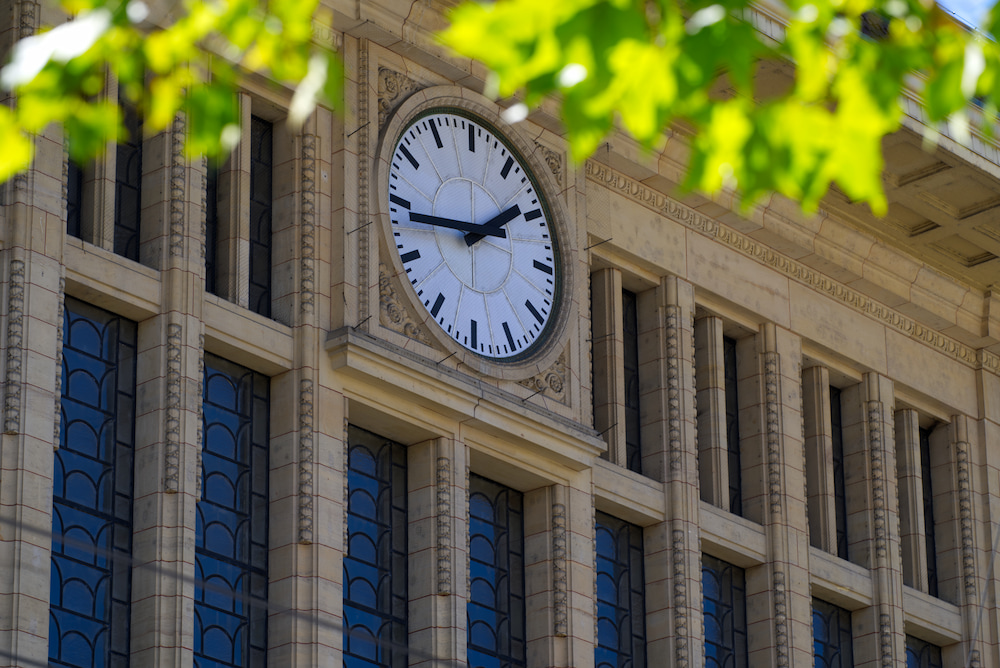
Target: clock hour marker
{"points": [[543, 267], [434, 131], [475, 341], [506, 167], [472, 139], [510, 339], [534, 311], [438, 303], [531, 215], [409, 156], [400, 201], [409, 257]]}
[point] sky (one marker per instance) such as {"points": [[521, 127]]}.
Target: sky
{"points": [[970, 11]]}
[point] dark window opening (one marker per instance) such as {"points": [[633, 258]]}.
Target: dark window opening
{"points": [[630, 336], [261, 196], [733, 426], [928, 495], [832, 642], [724, 592], [621, 610], [128, 185], [839, 483]]}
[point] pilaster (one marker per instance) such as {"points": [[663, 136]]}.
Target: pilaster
{"points": [[710, 380], [873, 518], [438, 525], [822, 506], [670, 454], [779, 604], [609, 356]]}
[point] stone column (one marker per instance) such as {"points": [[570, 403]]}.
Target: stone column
{"points": [[670, 454], [168, 433], [438, 525], [873, 518], [779, 605], [710, 381], [989, 499], [31, 283], [909, 476], [608, 364], [959, 537], [820, 486]]}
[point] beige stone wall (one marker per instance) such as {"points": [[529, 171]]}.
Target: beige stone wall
{"points": [[812, 302]]}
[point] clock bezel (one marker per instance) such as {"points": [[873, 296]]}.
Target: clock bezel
{"points": [[543, 352]]}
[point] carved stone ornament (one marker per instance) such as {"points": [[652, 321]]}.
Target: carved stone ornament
{"points": [[559, 575], [393, 313], [553, 159], [15, 348], [393, 88], [172, 415], [551, 382], [443, 526], [306, 456]]}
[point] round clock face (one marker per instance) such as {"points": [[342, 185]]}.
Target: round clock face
{"points": [[473, 234]]}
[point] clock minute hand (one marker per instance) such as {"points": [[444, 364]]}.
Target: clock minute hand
{"points": [[493, 225], [453, 224]]}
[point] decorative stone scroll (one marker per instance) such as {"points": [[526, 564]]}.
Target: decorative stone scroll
{"points": [[560, 579], [307, 271], [178, 186], [442, 542], [393, 89], [305, 492], [393, 314], [172, 414], [553, 159], [551, 382], [15, 348]]}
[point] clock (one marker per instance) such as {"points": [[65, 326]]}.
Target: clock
{"points": [[474, 234]]}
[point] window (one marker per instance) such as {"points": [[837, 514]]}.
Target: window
{"points": [[128, 185], [375, 596], [733, 426], [261, 164], [930, 545], [832, 645], [630, 340], [230, 610], [238, 224], [839, 495], [496, 566], [90, 591], [621, 610], [922, 654], [74, 200], [724, 590]]}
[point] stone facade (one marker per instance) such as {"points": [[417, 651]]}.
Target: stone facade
{"points": [[907, 338]]}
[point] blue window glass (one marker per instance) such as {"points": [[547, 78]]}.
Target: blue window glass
{"points": [[832, 643], [922, 654], [92, 492], [733, 426], [621, 608], [212, 228], [375, 595], [839, 483], [630, 338], [496, 564], [230, 610], [930, 541], [128, 185], [261, 165], [74, 199], [725, 601]]}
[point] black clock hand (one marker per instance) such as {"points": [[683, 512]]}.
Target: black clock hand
{"points": [[454, 224], [493, 225]]}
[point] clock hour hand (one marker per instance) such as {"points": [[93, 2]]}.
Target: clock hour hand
{"points": [[493, 225], [454, 224]]}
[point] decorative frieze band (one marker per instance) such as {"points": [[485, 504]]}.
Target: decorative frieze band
{"points": [[678, 212], [15, 348]]}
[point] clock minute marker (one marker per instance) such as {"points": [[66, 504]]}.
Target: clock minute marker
{"points": [[409, 156], [534, 311], [543, 267], [438, 303], [399, 201], [434, 131], [506, 167]]}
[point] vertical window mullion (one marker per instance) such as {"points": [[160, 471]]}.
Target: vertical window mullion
{"points": [[928, 505], [839, 485], [630, 340], [733, 426], [212, 228]]}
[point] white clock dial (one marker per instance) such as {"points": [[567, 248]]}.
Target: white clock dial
{"points": [[473, 234]]}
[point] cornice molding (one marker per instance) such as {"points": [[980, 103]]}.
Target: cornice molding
{"points": [[685, 215]]}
